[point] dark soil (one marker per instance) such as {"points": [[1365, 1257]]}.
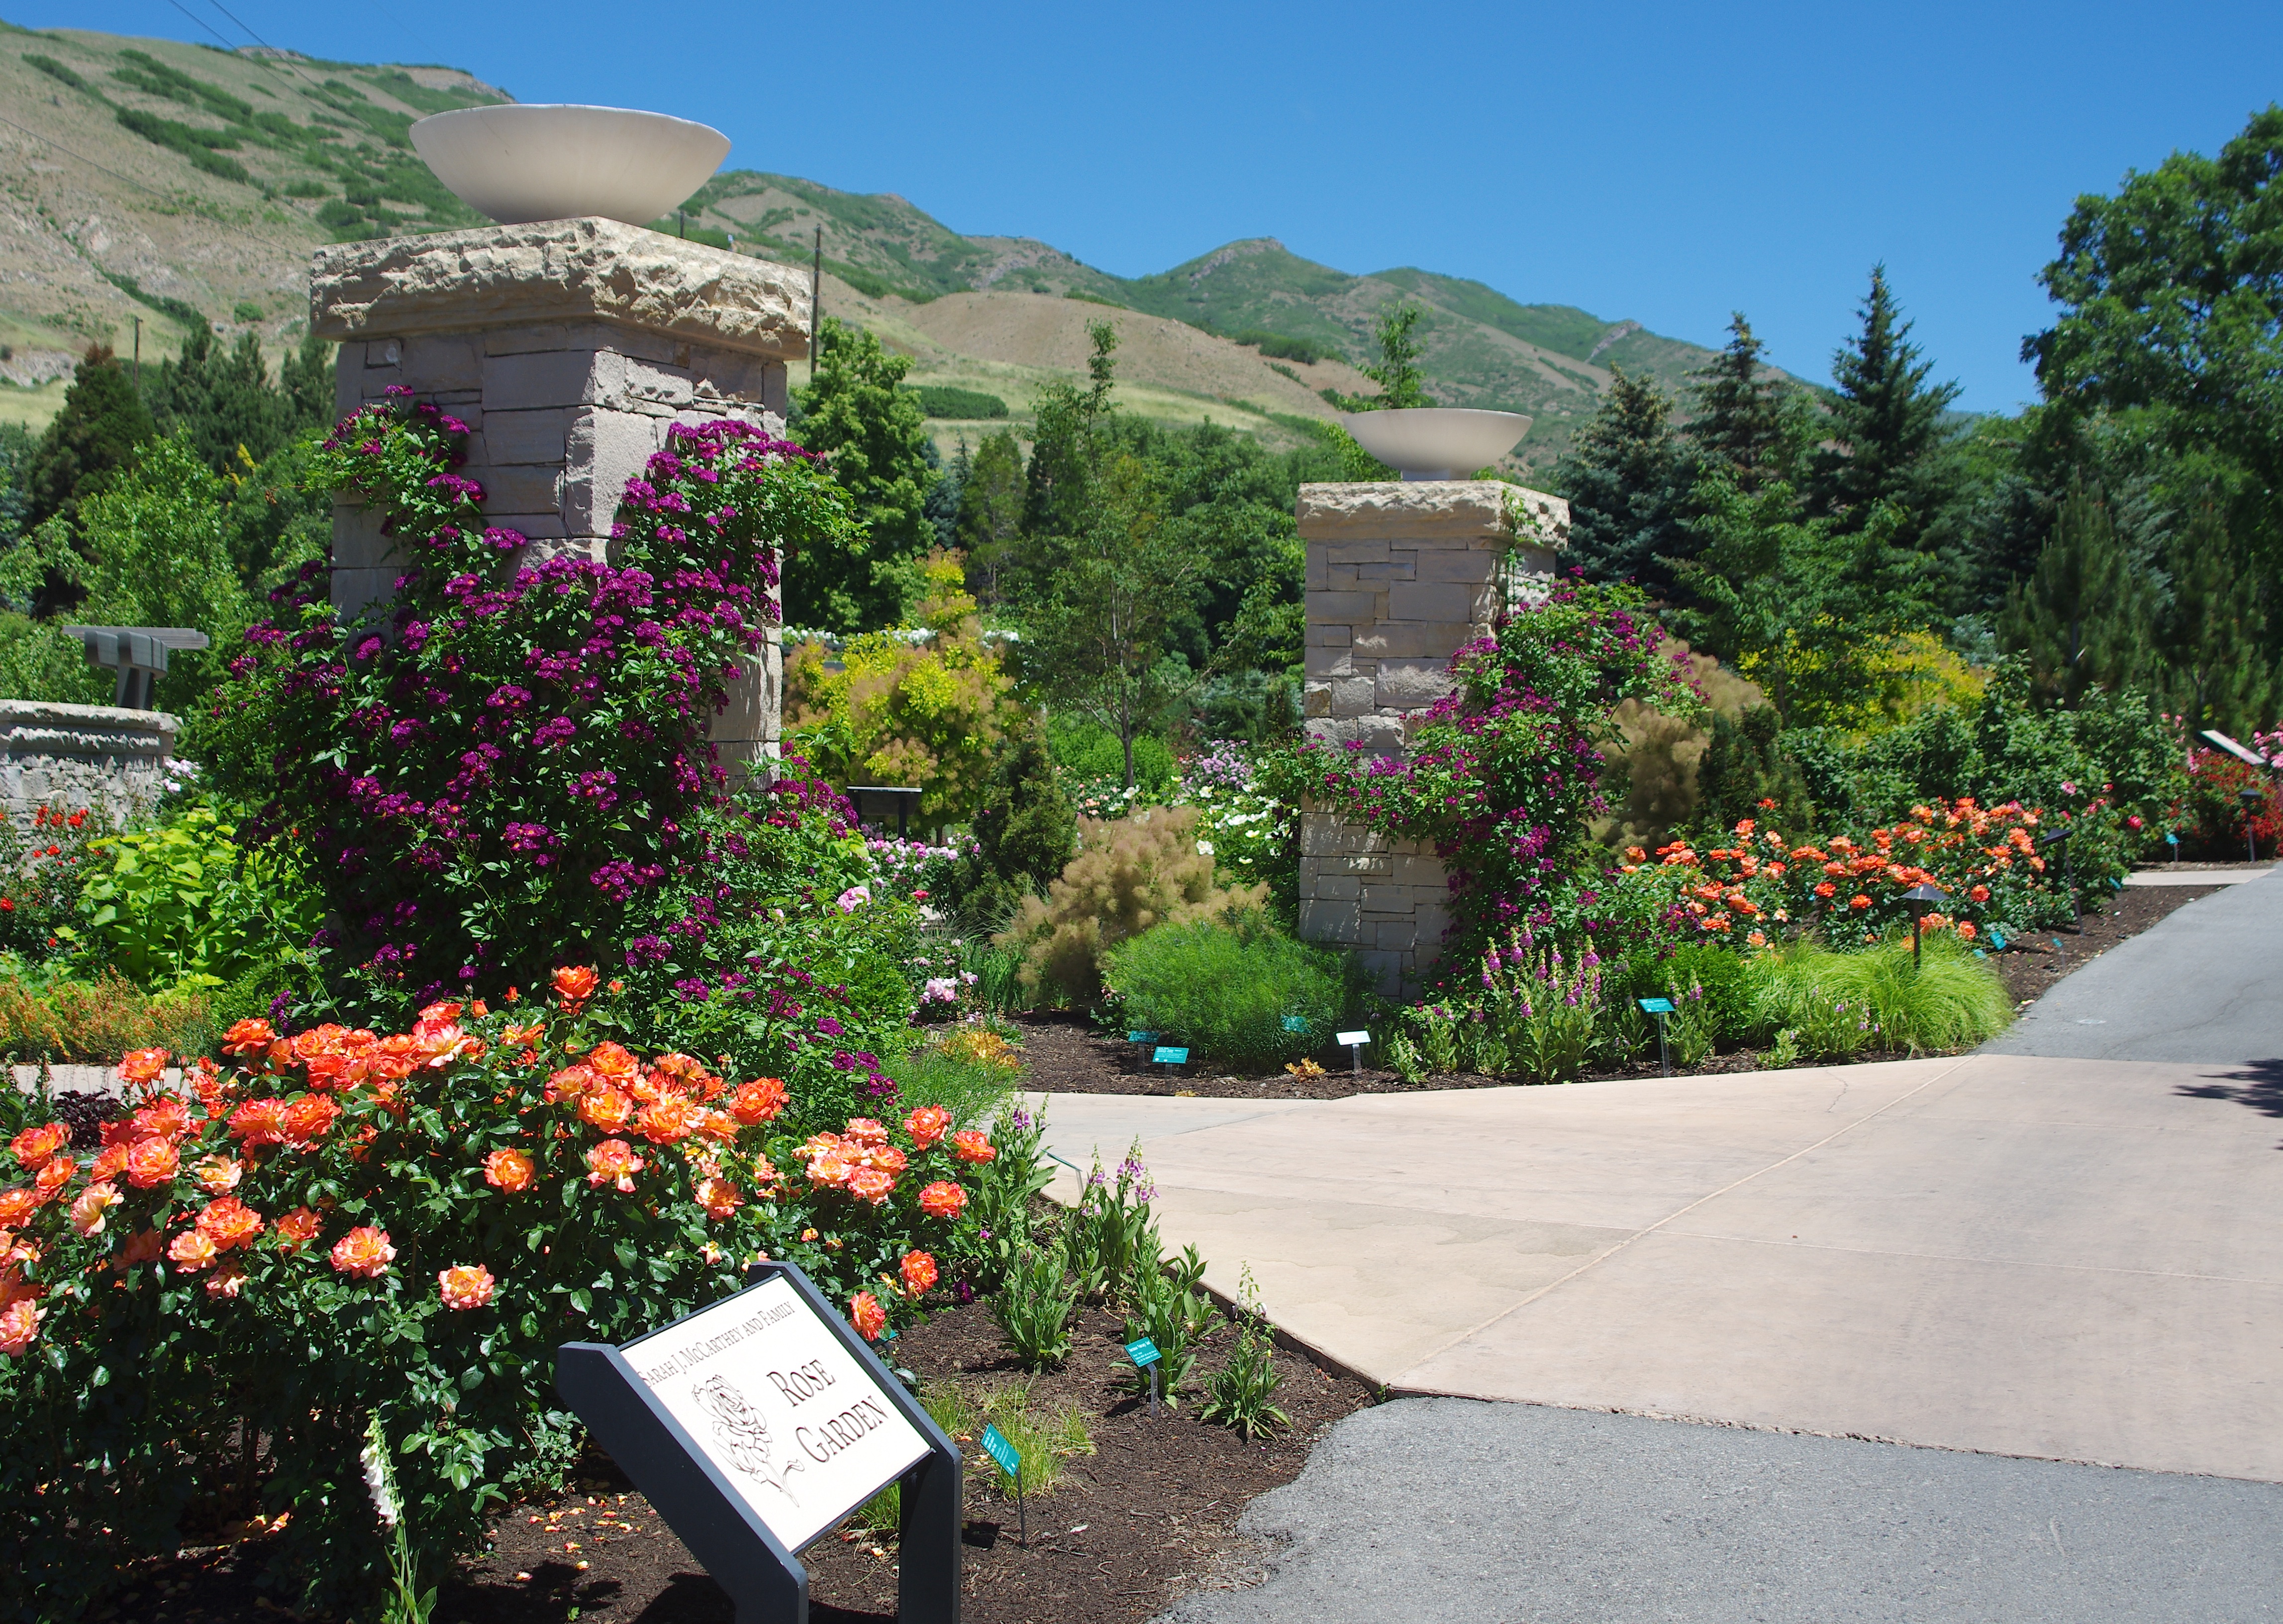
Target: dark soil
{"points": [[1145, 1518], [1064, 1053]]}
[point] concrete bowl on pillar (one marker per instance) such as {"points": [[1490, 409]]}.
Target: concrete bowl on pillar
{"points": [[1436, 442], [522, 163]]}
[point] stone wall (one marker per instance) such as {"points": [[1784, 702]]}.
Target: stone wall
{"points": [[1400, 575], [69, 756], [567, 347]]}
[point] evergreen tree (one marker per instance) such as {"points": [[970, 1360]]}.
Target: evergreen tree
{"points": [[874, 435], [222, 401], [1025, 834], [17, 448], [991, 512], [93, 436], [1737, 415], [2218, 669], [1063, 449], [1625, 477], [1887, 426], [942, 508], [2082, 619]]}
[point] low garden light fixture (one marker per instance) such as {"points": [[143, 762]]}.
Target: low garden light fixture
{"points": [[2250, 800], [1917, 898]]}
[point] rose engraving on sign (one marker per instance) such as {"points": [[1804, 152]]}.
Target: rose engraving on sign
{"points": [[744, 1434]]}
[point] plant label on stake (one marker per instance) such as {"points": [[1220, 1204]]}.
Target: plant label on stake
{"points": [[1010, 1462], [1144, 1354], [1140, 1037], [1296, 1023], [1168, 1056], [1353, 1041], [1660, 1008]]}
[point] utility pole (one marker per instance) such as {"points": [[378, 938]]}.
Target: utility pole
{"points": [[815, 299], [138, 358]]}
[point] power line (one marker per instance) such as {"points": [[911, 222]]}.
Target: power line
{"points": [[201, 23], [275, 53], [89, 162]]}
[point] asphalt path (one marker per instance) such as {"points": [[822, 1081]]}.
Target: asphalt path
{"points": [[2205, 984]]}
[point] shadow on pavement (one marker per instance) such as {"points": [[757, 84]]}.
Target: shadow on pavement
{"points": [[2255, 1083]]}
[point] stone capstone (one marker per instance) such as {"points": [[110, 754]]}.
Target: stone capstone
{"points": [[560, 270], [70, 756]]}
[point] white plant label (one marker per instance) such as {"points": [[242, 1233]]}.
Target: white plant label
{"points": [[1352, 1039], [799, 1428]]}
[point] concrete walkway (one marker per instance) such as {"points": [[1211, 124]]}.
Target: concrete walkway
{"points": [[2076, 1259], [2205, 983]]}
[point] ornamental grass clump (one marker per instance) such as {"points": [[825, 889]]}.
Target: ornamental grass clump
{"points": [[1128, 877], [1949, 1000], [1248, 996], [209, 1313]]}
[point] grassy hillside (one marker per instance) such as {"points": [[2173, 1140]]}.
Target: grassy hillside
{"points": [[167, 179]]}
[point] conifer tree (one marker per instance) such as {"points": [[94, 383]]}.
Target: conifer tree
{"points": [[1886, 424], [1625, 477], [90, 440], [2218, 671], [1738, 415], [2082, 619], [991, 512], [1398, 373]]}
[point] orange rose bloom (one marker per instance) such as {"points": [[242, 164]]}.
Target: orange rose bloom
{"points": [[296, 1229], [111, 1162], [943, 1199], [34, 1145], [364, 1251], [1858, 902], [719, 1197], [142, 1065], [607, 1110], [228, 1280], [168, 1119], [327, 1072], [973, 1144], [193, 1250], [870, 1184], [759, 1101], [523, 1037], [87, 1212], [569, 1084], [509, 1170], [833, 1169], [143, 1246], [54, 1176], [230, 1222], [259, 1122], [927, 1124], [919, 1272], [248, 1037], [613, 1162], [307, 1117], [469, 1286], [574, 985], [151, 1161], [218, 1175], [1966, 933], [1980, 893], [20, 1323], [865, 1313], [614, 1062], [885, 1158], [16, 1207], [668, 1121]]}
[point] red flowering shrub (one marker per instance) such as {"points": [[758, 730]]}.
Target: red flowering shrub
{"points": [[490, 767], [342, 1224], [41, 869], [2210, 816]]}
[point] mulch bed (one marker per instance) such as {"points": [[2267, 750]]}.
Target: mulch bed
{"points": [[1146, 1518], [1064, 1053]]}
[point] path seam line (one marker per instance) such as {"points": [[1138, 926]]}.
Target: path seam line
{"points": [[1682, 1212]]}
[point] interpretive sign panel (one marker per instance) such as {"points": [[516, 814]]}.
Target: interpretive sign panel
{"points": [[776, 1401], [755, 1425]]}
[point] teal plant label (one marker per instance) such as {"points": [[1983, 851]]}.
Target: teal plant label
{"points": [[1140, 1037], [995, 1446], [1143, 1352], [1355, 1039], [1656, 1006], [1296, 1023], [1997, 939], [1170, 1057]]}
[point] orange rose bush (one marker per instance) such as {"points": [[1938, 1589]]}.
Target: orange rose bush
{"points": [[202, 1315]]}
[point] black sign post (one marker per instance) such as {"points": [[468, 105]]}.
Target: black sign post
{"points": [[718, 1516]]}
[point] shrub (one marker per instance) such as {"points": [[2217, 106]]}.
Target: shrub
{"points": [[179, 902], [950, 401], [1246, 994], [1024, 833], [40, 871], [256, 1250], [496, 765], [1949, 1001], [1128, 877], [94, 1022], [2209, 813]]}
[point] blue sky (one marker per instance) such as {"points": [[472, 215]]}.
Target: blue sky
{"points": [[1661, 162]]}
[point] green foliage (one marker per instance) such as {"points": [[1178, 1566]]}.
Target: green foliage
{"points": [[1044, 1437], [1277, 347], [1002, 1194], [1241, 1395], [179, 902], [38, 661], [871, 431], [55, 70], [1886, 430], [1232, 990], [193, 142], [90, 439], [1025, 832], [2083, 618], [1088, 754], [991, 498], [1949, 1002], [94, 1020], [950, 401], [223, 402], [1173, 1314], [2219, 663], [1746, 772], [1741, 420], [1110, 1239], [1397, 372], [1034, 1303], [1625, 480]]}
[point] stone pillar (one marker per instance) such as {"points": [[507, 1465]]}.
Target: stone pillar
{"points": [[67, 757], [1400, 577], [567, 347]]}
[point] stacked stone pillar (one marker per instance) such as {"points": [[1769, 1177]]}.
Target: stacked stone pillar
{"points": [[1401, 575], [567, 347]]}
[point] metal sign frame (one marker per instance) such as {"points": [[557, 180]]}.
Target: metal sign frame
{"points": [[767, 1583]]}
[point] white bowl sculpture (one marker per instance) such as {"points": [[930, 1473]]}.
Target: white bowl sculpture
{"points": [[518, 163], [1436, 442]]}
